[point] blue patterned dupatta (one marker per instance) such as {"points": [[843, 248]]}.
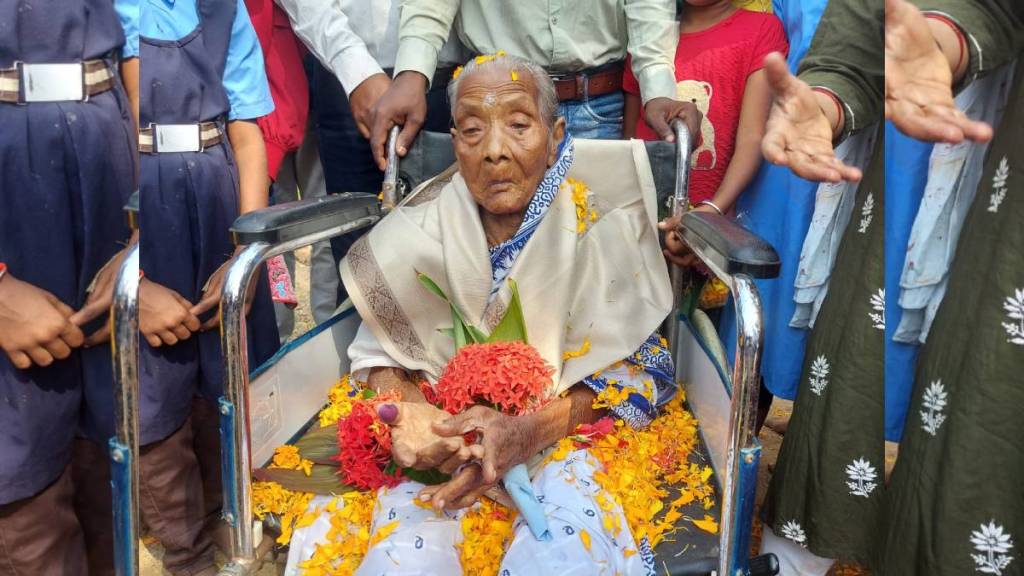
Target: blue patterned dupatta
{"points": [[649, 374]]}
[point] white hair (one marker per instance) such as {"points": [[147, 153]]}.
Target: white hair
{"points": [[547, 99]]}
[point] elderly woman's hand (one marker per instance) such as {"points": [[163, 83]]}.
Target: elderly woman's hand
{"points": [[414, 443], [506, 442]]}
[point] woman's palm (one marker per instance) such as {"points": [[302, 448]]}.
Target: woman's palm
{"points": [[919, 82]]}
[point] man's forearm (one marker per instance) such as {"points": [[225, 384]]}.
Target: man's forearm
{"points": [[425, 27], [251, 156], [653, 36]]}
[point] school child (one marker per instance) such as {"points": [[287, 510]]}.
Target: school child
{"points": [[719, 67], [203, 163], [67, 167]]}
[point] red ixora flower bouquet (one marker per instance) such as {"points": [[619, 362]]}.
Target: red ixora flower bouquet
{"points": [[500, 370]]}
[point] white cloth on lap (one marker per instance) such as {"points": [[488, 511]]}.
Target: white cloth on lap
{"points": [[424, 543]]}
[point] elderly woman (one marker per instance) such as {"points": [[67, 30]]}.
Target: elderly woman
{"points": [[524, 201]]}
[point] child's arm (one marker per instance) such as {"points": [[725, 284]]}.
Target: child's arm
{"points": [[250, 154], [746, 158], [630, 115]]}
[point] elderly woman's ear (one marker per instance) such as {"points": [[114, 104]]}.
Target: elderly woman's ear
{"points": [[557, 134]]}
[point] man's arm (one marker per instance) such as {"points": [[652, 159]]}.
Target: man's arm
{"points": [[653, 36], [326, 32], [424, 28]]}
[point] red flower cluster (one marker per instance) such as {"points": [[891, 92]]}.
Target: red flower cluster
{"points": [[365, 448], [587, 434], [508, 376]]}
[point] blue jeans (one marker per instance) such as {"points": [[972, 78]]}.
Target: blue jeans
{"points": [[598, 118]]}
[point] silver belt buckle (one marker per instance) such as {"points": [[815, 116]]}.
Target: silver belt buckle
{"points": [[51, 82], [177, 138]]}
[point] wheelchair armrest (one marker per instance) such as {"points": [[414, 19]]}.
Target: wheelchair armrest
{"points": [[292, 220], [733, 248], [131, 210]]}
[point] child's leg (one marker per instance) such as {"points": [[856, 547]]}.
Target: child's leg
{"points": [[40, 534], [171, 502]]}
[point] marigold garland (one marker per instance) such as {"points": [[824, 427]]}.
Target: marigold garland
{"points": [[486, 533]]}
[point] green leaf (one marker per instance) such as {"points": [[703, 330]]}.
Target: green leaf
{"points": [[462, 332], [367, 394], [475, 334], [459, 330], [428, 477], [390, 468], [512, 327], [319, 445], [322, 480]]}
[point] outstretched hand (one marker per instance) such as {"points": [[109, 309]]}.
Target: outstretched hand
{"points": [[919, 81], [798, 133]]}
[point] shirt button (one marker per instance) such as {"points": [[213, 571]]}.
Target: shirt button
{"points": [[554, 20]]}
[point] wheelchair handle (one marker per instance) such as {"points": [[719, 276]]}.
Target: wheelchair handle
{"points": [[681, 194], [389, 190]]}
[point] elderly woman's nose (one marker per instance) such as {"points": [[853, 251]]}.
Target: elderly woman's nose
{"points": [[494, 147]]}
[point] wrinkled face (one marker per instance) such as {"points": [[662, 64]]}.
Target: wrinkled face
{"points": [[502, 144]]}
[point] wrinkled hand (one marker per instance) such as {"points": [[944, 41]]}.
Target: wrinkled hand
{"points": [[919, 82], [675, 249], [414, 443], [404, 104], [659, 113], [506, 442], [798, 134], [164, 316], [212, 294], [100, 299], [35, 326], [364, 98]]}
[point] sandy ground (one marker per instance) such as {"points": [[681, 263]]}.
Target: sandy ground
{"points": [[770, 438]]}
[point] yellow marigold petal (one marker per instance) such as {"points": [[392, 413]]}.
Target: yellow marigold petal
{"points": [[384, 532], [515, 76], [628, 552], [581, 351], [708, 524], [585, 537]]}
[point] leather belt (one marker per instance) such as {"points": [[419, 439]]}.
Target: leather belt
{"points": [[589, 83], [24, 83], [167, 138]]}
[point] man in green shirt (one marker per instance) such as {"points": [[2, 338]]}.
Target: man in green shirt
{"points": [[581, 43]]}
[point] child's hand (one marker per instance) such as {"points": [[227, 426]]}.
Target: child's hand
{"points": [[798, 133], [101, 296], [675, 249], [35, 327], [164, 316], [212, 293]]}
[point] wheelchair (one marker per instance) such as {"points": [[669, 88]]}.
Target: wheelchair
{"points": [[275, 403], [123, 447]]}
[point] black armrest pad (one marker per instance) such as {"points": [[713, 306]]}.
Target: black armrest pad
{"points": [[431, 154], [742, 250], [662, 156], [131, 210], [292, 220]]}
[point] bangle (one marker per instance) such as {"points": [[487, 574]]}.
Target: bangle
{"points": [[713, 205], [961, 41], [840, 117], [3, 270]]}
